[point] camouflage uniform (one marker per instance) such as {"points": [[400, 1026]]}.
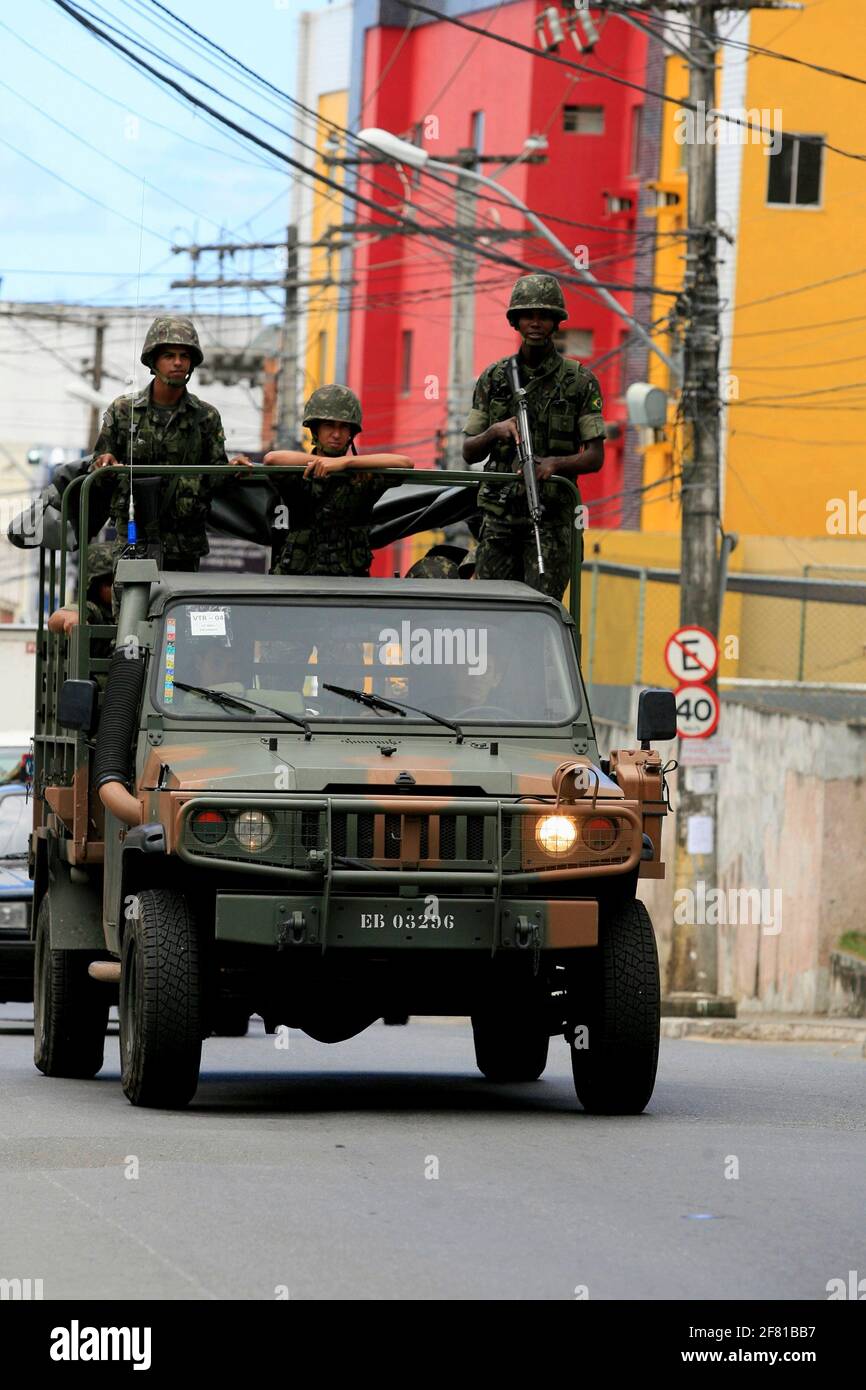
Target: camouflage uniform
{"points": [[191, 436], [329, 518], [188, 435], [563, 401], [100, 566], [440, 562]]}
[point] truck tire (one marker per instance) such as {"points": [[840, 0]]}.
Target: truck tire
{"points": [[511, 1040], [616, 998], [70, 1010], [160, 1002]]}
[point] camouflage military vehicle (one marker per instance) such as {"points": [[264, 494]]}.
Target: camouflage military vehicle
{"points": [[330, 801]]}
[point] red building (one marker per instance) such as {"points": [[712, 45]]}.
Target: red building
{"points": [[452, 91]]}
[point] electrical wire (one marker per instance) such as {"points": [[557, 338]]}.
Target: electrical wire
{"points": [[122, 106], [675, 20], [102, 154], [546, 56]]}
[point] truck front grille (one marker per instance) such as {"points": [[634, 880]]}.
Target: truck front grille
{"points": [[390, 839]]}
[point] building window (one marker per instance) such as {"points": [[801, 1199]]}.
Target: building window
{"points": [[794, 178], [575, 342], [406, 362], [583, 120], [636, 124]]}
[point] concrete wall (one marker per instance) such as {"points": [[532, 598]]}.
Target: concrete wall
{"points": [[791, 817]]}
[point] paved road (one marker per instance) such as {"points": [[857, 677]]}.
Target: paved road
{"points": [[306, 1168]]}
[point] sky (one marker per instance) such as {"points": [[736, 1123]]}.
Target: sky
{"points": [[57, 243]]}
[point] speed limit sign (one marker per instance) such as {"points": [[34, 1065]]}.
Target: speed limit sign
{"points": [[697, 711]]}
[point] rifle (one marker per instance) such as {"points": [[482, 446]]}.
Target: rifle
{"points": [[526, 458]]}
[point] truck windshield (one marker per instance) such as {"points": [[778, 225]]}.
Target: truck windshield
{"points": [[486, 665]]}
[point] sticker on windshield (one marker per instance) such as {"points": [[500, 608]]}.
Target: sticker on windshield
{"points": [[207, 622]]}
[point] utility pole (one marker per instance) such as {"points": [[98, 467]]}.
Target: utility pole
{"points": [[692, 984], [286, 426], [693, 965], [287, 379], [461, 356], [461, 346], [96, 375]]}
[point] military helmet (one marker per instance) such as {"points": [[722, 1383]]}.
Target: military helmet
{"points": [[536, 292], [100, 561], [333, 403], [168, 330], [440, 562]]}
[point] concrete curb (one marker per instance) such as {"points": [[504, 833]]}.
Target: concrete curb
{"points": [[769, 1030]]}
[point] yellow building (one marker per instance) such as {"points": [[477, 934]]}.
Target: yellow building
{"points": [[793, 291], [794, 282], [322, 86], [324, 259]]}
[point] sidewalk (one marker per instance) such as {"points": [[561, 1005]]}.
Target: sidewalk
{"points": [[770, 1028]]}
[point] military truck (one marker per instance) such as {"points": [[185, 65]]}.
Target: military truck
{"points": [[331, 801]]}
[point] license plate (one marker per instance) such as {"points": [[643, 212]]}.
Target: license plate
{"points": [[421, 920], [410, 923]]}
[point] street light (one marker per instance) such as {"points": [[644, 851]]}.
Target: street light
{"points": [[403, 152]]}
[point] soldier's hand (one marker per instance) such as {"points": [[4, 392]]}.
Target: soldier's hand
{"points": [[505, 429], [105, 461], [63, 620], [319, 467], [241, 459], [545, 468]]}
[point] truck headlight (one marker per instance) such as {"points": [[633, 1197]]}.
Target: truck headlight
{"points": [[13, 916], [556, 834], [254, 830]]}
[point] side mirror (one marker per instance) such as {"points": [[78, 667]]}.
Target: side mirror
{"points": [[77, 705], [656, 716]]}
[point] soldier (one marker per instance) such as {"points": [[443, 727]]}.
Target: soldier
{"points": [[330, 505], [165, 424], [100, 568], [564, 405]]}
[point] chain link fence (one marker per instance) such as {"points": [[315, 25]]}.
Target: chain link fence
{"points": [[808, 630]]}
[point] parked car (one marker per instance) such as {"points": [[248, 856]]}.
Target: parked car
{"points": [[16, 895]]}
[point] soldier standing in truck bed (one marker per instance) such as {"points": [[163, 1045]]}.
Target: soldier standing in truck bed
{"points": [[165, 424], [565, 414], [329, 506]]}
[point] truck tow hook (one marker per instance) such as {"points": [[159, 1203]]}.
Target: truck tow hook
{"points": [[292, 931]]}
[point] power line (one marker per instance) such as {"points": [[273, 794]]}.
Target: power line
{"points": [[319, 120], [674, 21], [400, 219], [547, 56], [122, 106], [116, 162], [801, 289]]}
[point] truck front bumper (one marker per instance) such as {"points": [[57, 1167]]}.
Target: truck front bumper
{"points": [[291, 922]]}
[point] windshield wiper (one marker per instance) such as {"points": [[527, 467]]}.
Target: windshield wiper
{"points": [[221, 697], [400, 707]]}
